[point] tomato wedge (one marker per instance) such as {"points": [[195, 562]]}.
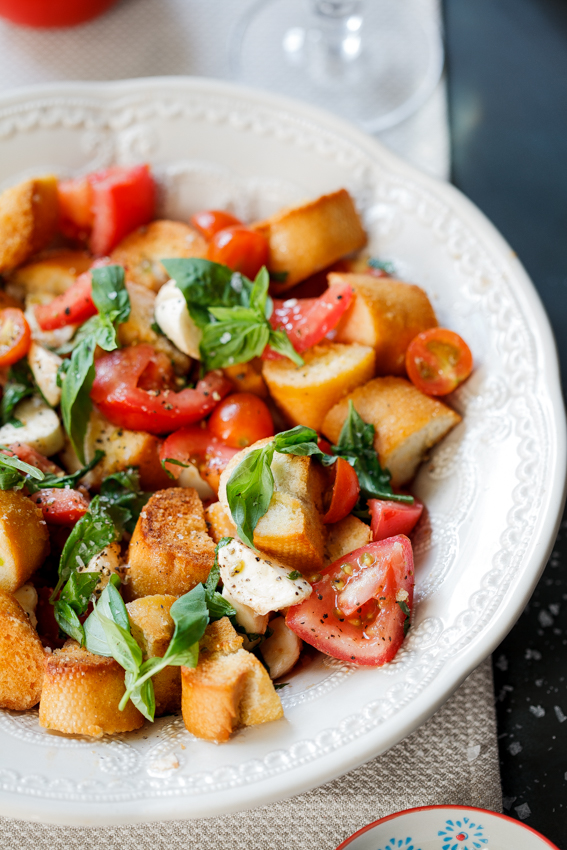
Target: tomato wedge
{"points": [[438, 360], [75, 207], [209, 222], [241, 249], [391, 518], [72, 307], [308, 320], [345, 491], [359, 608], [15, 336], [115, 390], [198, 446], [61, 506], [30, 455], [241, 419]]}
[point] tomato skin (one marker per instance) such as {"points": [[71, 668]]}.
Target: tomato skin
{"points": [[241, 249], [72, 307], [30, 455], [116, 393], [438, 360], [61, 506], [198, 446], [308, 320], [209, 222], [123, 199], [392, 518], [373, 631], [345, 492], [241, 419], [56, 13], [15, 336], [75, 207]]}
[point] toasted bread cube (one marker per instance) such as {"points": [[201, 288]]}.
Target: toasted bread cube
{"points": [[385, 314], [52, 273], [307, 238], [81, 693], [344, 537], [227, 691], [407, 423], [122, 449], [291, 529], [21, 670], [330, 371], [152, 627], [141, 251], [138, 329], [247, 378], [170, 551], [24, 539], [221, 637], [29, 214], [219, 522]]}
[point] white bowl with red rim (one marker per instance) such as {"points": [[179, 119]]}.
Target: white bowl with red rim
{"points": [[447, 828]]}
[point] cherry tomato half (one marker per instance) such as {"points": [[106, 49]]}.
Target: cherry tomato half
{"points": [[345, 492], [61, 506], [239, 248], [240, 420], [15, 336], [209, 222], [438, 360]]}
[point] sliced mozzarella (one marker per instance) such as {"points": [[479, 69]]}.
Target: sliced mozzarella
{"points": [[190, 478], [172, 315], [40, 429], [282, 649], [251, 622], [26, 595], [52, 339], [260, 583], [44, 365]]}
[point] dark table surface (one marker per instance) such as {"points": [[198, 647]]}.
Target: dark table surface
{"points": [[507, 72]]}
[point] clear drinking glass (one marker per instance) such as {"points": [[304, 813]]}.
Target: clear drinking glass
{"points": [[373, 62]]}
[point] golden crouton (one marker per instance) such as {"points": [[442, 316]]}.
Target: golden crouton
{"points": [[330, 371], [222, 637], [152, 627], [138, 329], [407, 422], [21, 670], [24, 539], [81, 693], [219, 522], [141, 251], [307, 238], [247, 377], [227, 691], [291, 529], [385, 314], [122, 449], [52, 273], [29, 214], [170, 550], [344, 537]]}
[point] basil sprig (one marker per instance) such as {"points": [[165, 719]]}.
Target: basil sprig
{"points": [[356, 445], [231, 311], [14, 473], [218, 606], [113, 304], [250, 488], [20, 385]]}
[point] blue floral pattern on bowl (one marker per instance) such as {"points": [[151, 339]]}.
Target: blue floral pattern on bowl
{"points": [[397, 843], [462, 834]]}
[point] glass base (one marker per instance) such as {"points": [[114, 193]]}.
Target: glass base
{"points": [[374, 66]]}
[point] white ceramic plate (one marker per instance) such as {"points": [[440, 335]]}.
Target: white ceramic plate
{"points": [[494, 488], [447, 828]]}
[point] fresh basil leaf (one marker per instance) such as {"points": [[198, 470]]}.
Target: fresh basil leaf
{"points": [[216, 603], [68, 621], [260, 302], [279, 277], [20, 465], [78, 590], [122, 490], [109, 293], [238, 335], [280, 342], [60, 481], [10, 479], [20, 385], [142, 696], [122, 645], [407, 621], [279, 685], [249, 491], [206, 284], [191, 617], [112, 607], [294, 574], [287, 440]]}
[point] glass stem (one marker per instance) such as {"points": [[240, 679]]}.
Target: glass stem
{"points": [[338, 24]]}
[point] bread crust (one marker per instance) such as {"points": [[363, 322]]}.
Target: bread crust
{"points": [[21, 670], [152, 628], [29, 214], [53, 272], [24, 539]]}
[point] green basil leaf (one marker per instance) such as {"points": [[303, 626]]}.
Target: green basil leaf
{"points": [[216, 603], [60, 481], [10, 479], [206, 284], [109, 293], [122, 490], [110, 606], [249, 491], [122, 645], [20, 385], [280, 342], [68, 621], [191, 617], [78, 590], [142, 696], [237, 337], [20, 465]]}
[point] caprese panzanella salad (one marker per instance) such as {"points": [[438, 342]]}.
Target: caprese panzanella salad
{"points": [[208, 430]]}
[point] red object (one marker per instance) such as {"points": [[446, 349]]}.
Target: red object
{"points": [[61, 506], [239, 248], [72, 307], [198, 446], [241, 419], [52, 13], [437, 361], [15, 336], [345, 491], [209, 222], [75, 207], [123, 199], [116, 392], [29, 455], [354, 612], [391, 518], [307, 321]]}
